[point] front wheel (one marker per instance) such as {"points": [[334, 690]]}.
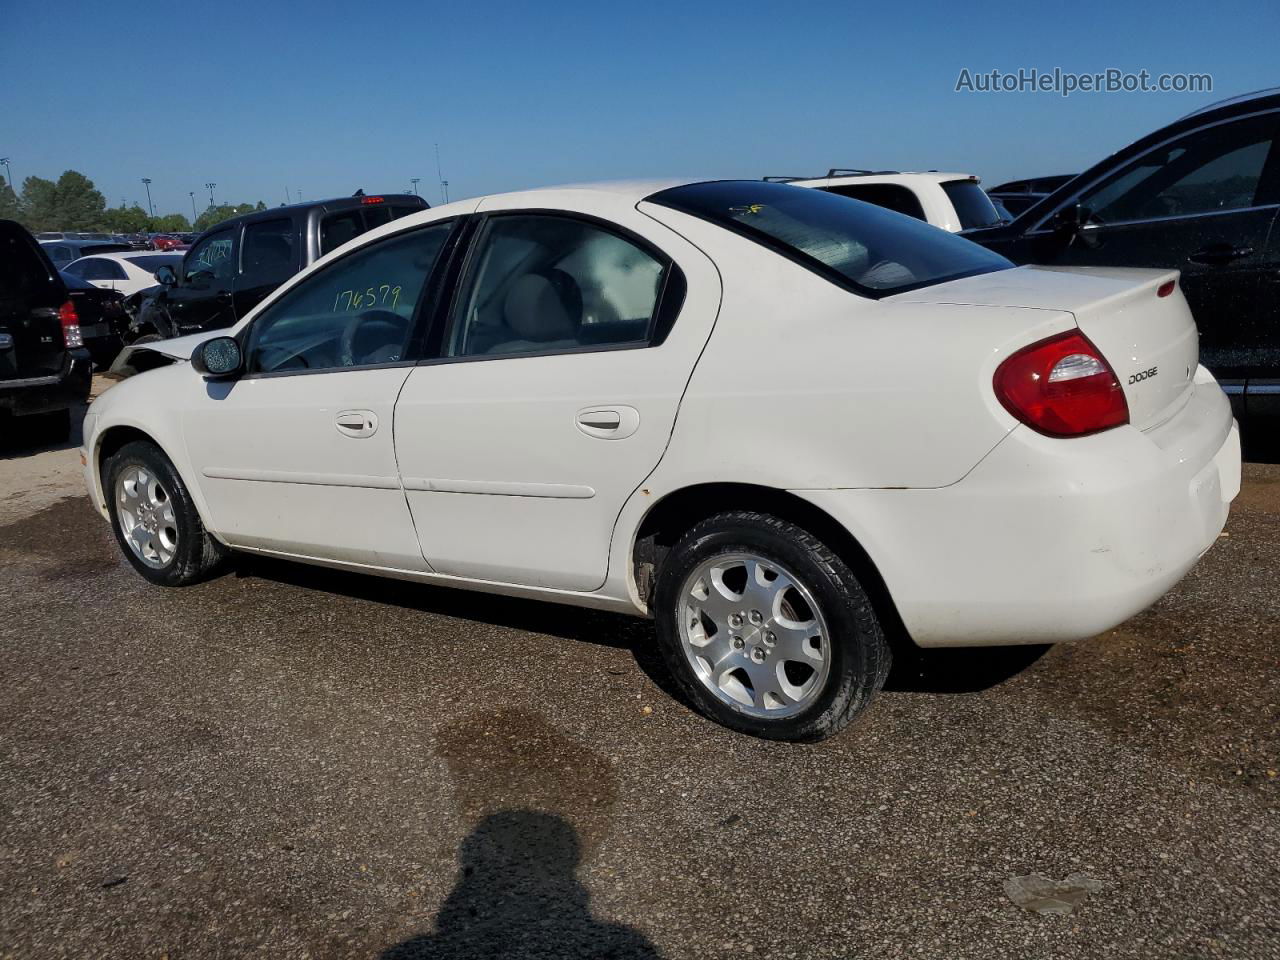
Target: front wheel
{"points": [[767, 630], [154, 519]]}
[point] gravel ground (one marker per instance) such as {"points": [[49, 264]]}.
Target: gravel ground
{"points": [[293, 762]]}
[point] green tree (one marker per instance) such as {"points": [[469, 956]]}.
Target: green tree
{"points": [[80, 204], [172, 223], [10, 207], [225, 211], [73, 203], [127, 219], [40, 204]]}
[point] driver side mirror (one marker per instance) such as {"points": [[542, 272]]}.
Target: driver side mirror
{"points": [[166, 276], [218, 359]]}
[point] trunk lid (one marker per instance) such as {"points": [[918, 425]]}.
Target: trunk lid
{"points": [[1150, 341], [31, 341]]}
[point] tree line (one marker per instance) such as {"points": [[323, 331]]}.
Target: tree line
{"points": [[72, 202]]}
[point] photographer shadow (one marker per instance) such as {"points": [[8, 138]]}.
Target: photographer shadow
{"points": [[518, 895]]}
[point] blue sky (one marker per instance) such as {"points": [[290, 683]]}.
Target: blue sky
{"points": [[327, 97]]}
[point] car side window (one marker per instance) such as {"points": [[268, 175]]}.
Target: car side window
{"points": [[357, 311], [337, 228], [213, 259], [268, 252], [1214, 169], [544, 283], [891, 196]]}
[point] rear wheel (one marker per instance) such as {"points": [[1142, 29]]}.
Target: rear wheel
{"points": [[154, 519], [766, 629]]}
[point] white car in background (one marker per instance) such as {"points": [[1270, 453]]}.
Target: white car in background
{"points": [[952, 201], [125, 273], [785, 425]]}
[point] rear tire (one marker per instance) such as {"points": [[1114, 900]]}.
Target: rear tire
{"points": [[766, 630], [154, 519]]}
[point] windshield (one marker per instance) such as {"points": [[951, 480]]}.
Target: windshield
{"points": [[973, 206], [868, 249]]}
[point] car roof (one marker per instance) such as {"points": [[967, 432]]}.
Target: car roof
{"points": [[901, 178], [1233, 101]]}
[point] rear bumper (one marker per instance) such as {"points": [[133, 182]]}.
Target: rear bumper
{"points": [[1049, 540], [59, 391]]}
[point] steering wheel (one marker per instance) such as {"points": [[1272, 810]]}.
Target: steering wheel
{"points": [[392, 325]]}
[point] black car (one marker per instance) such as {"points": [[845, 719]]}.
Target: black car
{"points": [[1018, 196], [102, 317], [44, 367], [231, 267], [1200, 195]]}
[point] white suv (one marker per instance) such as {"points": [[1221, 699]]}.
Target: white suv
{"points": [[952, 201]]}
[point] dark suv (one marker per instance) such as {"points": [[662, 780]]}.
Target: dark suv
{"points": [[231, 267], [44, 367], [1200, 195]]}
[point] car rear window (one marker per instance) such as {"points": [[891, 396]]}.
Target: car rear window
{"points": [[23, 272], [867, 249], [337, 228], [973, 206]]}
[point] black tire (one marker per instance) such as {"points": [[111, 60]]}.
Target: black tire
{"points": [[46, 429], [196, 554], [859, 652]]}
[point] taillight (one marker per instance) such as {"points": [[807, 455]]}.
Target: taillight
{"points": [[1062, 387], [70, 325]]}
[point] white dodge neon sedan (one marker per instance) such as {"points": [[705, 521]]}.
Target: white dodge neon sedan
{"points": [[784, 423]]}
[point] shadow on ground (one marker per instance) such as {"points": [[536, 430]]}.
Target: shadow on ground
{"points": [[961, 670]]}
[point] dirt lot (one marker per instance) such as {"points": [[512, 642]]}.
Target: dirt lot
{"points": [[290, 762]]}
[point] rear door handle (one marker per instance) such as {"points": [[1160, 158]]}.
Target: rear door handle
{"points": [[1218, 253], [357, 423], [224, 296], [608, 423]]}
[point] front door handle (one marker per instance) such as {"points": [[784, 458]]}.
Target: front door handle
{"points": [[1219, 253], [357, 423], [608, 423], [224, 296]]}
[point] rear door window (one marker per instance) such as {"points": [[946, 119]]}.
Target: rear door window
{"points": [[1214, 169], [23, 272], [337, 228], [268, 252]]}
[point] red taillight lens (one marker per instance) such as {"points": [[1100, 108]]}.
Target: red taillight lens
{"points": [[1062, 387], [1165, 288], [70, 325]]}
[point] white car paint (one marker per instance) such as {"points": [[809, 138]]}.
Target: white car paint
{"points": [[927, 188], [881, 413], [135, 276]]}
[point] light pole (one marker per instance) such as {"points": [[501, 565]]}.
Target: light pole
{"points": [[444, 188], [150, 206], [194, 215], [5, 161], [209, 187], [414, 181]]}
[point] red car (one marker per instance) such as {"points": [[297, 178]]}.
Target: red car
{"points": [[162, 241]]}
